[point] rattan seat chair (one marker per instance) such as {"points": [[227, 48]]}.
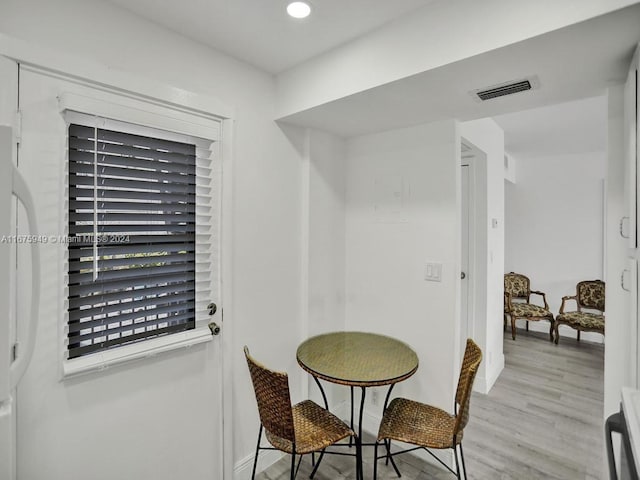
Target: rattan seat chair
{"points": [[428, 427], [295, 429]]}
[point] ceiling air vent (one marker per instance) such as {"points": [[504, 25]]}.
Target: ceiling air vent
{"points": [[503, 89]]}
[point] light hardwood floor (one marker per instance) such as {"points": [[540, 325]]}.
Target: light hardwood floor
{"points": [[543, 419]]}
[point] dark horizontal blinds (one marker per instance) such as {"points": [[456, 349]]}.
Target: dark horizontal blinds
{"points": [[132, 231]]}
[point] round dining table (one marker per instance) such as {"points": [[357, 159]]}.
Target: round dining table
{"points": [[357, 359]]}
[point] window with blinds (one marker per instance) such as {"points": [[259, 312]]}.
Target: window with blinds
{"points": [[132, 238]]}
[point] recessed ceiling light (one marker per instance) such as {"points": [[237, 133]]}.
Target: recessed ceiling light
{"points": [[299, 9]]}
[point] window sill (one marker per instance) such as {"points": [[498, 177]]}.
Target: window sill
{"points": [[136, 351]]}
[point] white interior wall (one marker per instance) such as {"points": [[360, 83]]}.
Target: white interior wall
{"points": [[268, 205], [325, 243], [486, 135], [266, 210], [554, 217], [510, 163], [326, 233], [402, 206], [617, 354]]}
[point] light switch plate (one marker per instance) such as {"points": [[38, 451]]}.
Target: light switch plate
{"points": [[433, 272]]}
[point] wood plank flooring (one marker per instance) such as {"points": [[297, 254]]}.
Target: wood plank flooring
{"points": [[543, 419]]}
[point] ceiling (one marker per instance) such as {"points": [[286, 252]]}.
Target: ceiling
{"points": [[573, 127], [261, 33], [572, 64]]}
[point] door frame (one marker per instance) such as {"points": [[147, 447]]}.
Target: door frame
{"points": [[469, 242], [467, 161], [476, 159], [79, 69], [7, 259], [8, 156]]}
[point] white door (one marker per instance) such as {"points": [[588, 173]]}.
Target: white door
{"points": [[158, 417], [465, 327]]}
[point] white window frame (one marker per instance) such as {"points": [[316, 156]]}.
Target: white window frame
{"points": [[116, 109]]}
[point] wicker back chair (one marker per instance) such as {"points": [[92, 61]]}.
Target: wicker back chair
{"points": [[589, 296], [428, 427], [517, 304], [299, 429]]}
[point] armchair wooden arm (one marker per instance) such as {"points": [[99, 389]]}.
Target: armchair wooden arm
{"points": [[564, 299], [507, 301], [544, 298]]}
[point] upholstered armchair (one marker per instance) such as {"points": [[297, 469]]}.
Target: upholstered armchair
{"points": [[517, 305], [589, 313]]}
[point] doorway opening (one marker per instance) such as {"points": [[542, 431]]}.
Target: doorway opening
{"points": [[473, 163]]}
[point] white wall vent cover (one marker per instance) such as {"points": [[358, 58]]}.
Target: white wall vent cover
{"points": [[507, 88]]}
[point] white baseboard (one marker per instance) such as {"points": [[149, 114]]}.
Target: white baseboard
{"points": [[484, 383], [242, 469]]}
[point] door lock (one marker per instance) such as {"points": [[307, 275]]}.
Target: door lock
{"points": [[213, 308], [215, 328], [463, 275]]}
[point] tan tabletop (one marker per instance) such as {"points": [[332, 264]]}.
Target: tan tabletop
{"points": [[357, 358]]}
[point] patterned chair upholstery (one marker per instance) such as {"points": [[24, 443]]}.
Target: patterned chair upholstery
{"points": [[517, 305], [589, 316]]}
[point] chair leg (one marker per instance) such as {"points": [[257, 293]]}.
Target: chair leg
{"points": [[293, 466], [556, 335], [464, 467], [578, 335], [513, 327], [359, 461], [315, 468], [375, 461], [527, 325], [387, 446], [255, 460], [455, 453], [389, 457], [551, 330]]}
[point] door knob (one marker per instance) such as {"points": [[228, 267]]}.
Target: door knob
{"points": [[213, 308]]}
